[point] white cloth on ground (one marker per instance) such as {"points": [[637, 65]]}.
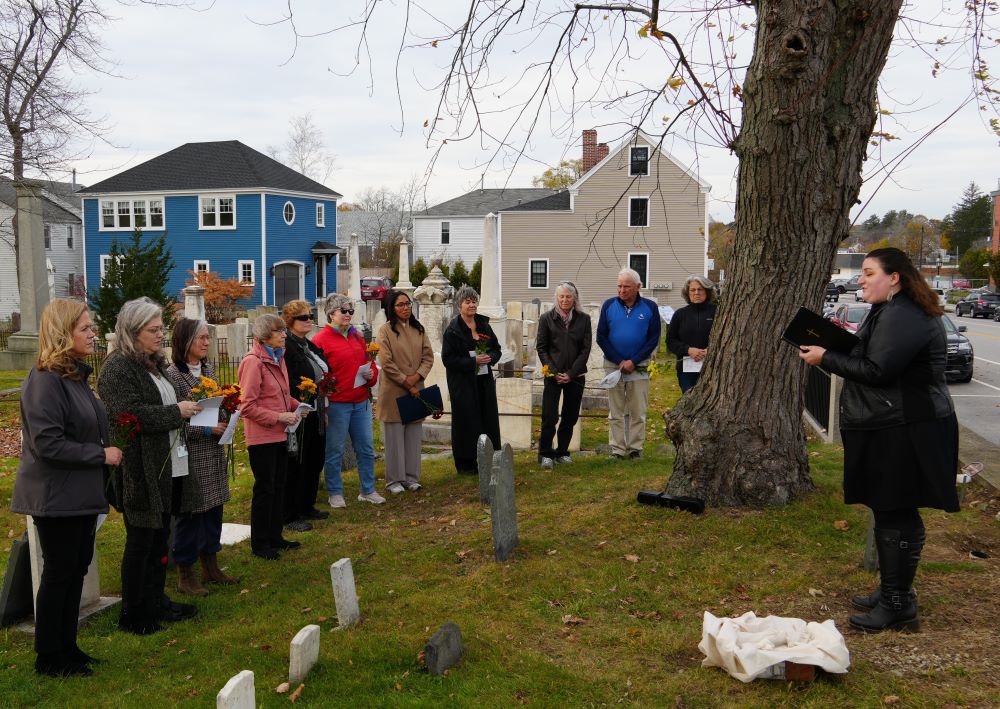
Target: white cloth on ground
{"points": [[747, 646]]}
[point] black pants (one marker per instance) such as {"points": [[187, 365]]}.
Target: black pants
{"points": [[907, 520], [269, 463], [572, 395], [302, 481], [144, 569], [67, 548]]}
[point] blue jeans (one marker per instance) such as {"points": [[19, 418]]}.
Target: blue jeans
{"points": [[355, 419]]}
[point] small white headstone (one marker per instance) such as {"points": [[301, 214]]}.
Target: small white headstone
{"points": [[239, 693], [303, 653], [344, 594], [514, 397]]}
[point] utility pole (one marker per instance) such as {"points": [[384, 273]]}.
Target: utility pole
{"points": [[920, 268]]}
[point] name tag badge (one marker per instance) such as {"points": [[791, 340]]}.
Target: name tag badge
{"points": [[182, 451]]}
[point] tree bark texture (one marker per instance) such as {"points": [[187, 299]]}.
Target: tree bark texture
{"points": [[809, 106]]}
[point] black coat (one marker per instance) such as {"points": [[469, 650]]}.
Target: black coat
{"points": [[564, 349], [298, 365], [473, 397], [690, 327], [64, 431]]}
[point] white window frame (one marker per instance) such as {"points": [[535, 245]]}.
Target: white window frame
{"points": [[202, 262], [646, 279], [638, 174], [637, 226], [320, 214], [283, 208], [70, 240], [253, 272], [531, 262], [104, 260], [115, 215], [445, 224], [216, 212]]}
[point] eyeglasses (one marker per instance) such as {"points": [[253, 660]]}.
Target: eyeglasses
{"points": [[407, 304], [282, 331], [346, 311], [154, 330], [303, 318]]}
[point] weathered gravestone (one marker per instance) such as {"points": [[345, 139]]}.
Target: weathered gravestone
{"points": [[485, 456], [303, 653], [344, 594], [239, 693], [503, 510], [16, 598], [444, 649]]}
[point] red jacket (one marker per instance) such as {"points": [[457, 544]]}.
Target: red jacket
{"points": [[265, 394], [344, 355]]}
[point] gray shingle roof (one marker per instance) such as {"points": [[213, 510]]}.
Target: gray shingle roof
{"points": [[52, 213], [479, 203], [558, 202], [225, 164]]}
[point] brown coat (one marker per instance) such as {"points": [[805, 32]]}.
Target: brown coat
{"points": [[399, 356]]}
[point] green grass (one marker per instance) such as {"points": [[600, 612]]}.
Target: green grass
{"points": [[426, 558]]}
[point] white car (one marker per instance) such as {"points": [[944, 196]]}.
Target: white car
{"points": [[859, 295]]}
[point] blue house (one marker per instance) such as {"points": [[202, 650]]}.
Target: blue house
{"points": [[224, 207]]}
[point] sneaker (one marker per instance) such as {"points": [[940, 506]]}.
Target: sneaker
{"points": [[372, 497], [635, 455], [313, 513], [616, 456], [546, 463], [413, 486], [336, 501], [564, 460], [395, 488], [298, 526]]}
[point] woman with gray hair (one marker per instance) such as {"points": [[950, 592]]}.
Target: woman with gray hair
{"points": [[690, 327], [350, 407], [563, 344], [267, 408], [152, 481], [468, 350]]}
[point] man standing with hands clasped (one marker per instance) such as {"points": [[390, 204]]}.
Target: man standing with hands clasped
{"points": [[628, 332]]}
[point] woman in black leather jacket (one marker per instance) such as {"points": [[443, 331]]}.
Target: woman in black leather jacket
{"points": [[898, 426], [690, 327]]}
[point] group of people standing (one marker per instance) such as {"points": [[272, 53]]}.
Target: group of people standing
{"points": [[133, 447]]}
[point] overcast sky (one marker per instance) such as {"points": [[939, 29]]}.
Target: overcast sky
{"points": [[190, 76]]}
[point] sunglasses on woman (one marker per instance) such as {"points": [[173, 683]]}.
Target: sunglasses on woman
{"points": [[303, 318], [347, 311]]}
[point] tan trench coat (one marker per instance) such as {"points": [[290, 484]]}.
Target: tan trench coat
{"points": [[399, 356]]}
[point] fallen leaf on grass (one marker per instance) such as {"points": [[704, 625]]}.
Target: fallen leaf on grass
{"points": [[649, 615], [171, 643], [244, 591], [550, 552], [572, 620], [360, 537], [632, 557], [453, 522], [815, 592], [678, 615], [634, 632], [841, 524], [297, 693], [265, 648], [890, 699], [521, 697], [600, 545], [464, 553], [420, 658], [307, 610], [10, 534], [322, 619], [399, 687], [555, 604], [282, 688]]}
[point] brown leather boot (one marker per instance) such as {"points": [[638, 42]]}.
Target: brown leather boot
{"points": [[187, 582], [211, 573]]}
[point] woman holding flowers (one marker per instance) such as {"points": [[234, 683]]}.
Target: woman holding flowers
{"points": [[468, 351], [350, 408], [153, 479], [406, 357], [268, 408], [563, 344], [60, 479], [198, 535], [306, 369]]}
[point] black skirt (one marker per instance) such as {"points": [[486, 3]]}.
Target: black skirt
{"points": [[903, 467]]}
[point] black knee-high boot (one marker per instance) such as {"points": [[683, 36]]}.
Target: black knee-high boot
{"points": [[896, 609]]}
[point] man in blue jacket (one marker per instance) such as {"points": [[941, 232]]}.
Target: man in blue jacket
{"points": [[628, 332]]}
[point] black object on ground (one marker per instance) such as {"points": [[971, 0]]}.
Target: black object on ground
{"points": [[693, 505]]}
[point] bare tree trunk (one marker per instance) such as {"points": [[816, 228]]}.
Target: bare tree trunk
{"points": [[809, 106]]}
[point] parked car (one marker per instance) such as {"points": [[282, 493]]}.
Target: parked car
{"points": [[859, 295], [832, 294], [961, 283], [942, 298], [375, 287], [851, 284], [840, 283], [978, 305], [960, 356], [850, 315]]}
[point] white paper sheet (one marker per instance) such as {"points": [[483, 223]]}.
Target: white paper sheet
{"points": [[227, 435], [690, 365], [359, 378], [209, 414], [302, 411], [483, 368]]}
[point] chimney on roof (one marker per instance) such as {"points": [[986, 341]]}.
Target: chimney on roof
{"points": [[74, 179], [602, 151], [590, 150]]}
